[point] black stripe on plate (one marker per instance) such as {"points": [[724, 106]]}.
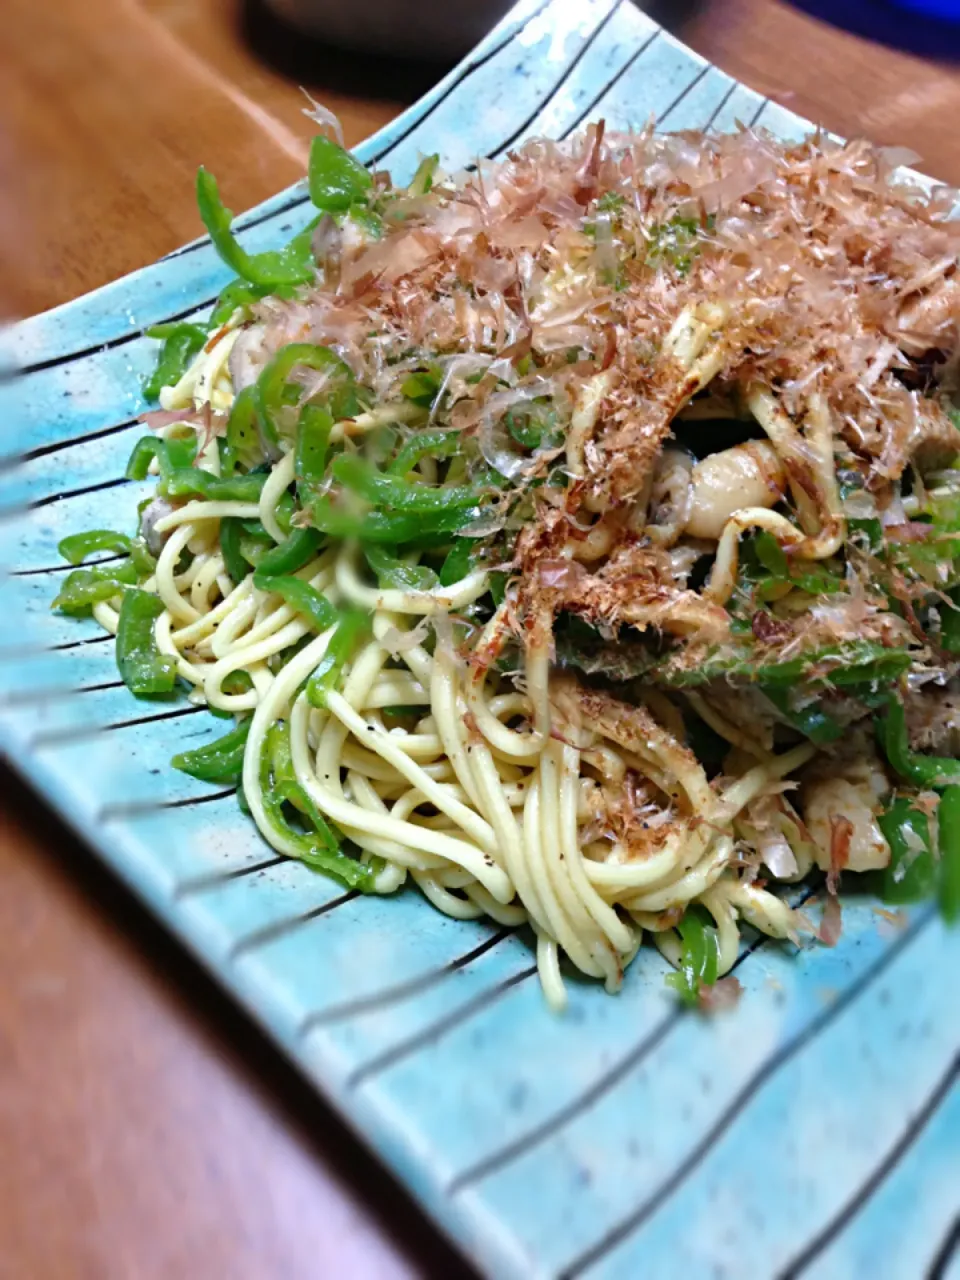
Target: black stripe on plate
{"points": [[17, 653], [683, 94], [467, 71], [911, 1133], [720, 105], [36, 503], [17, 459], [213, 879], [614, 80], [64, 568], [33, 697], [78, 644], [270, 932], [567, 73], [653, 1203], [583, 1102], [945, 1252], [758, 113], [143, 808], [437, 1029], [511, 1151], [76, 732], [112, 343], [390, 995]]}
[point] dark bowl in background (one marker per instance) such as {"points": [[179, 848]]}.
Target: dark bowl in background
{"points": [[431, 29]]}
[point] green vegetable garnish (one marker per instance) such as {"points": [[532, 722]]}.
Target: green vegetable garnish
{"points": [[392, 572], [271, 269], [422, 180], [700, 959], [948, 825], [77, 546], [326, 675], [402, 495], [143, 668], [306, 600], [911, 874], [286, 558], [436, 444], [181, 342], [277, 395], [86, 587], [392, 528], [220, 761], [922, 770], [318, 847], [335, 178]]}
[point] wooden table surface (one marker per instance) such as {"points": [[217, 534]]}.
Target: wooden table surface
{"points": [[146, 1130]]}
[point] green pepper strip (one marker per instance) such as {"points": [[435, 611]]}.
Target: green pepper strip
{"points": [[910, 876], [921, 770], [220, 761], [143, 668], [141, 558], [254, 546], [948, 818], [86, 587], [700, 959], [950, 623], [860, 663], [392, 528], [301, 596], [181, 342], [241, 293], [319, 849], [289, 556], [392, 572], [440, 444], [812, 721], [326, 675], [458, 563], [771, 555], [243, 439], [289, 266], [185, 481], [498, 587], [312, 444], [231, 538], [422, 180], [421, 387], [335, 178], [77, 546], [274, 391], [393, 491], [362, 216], [171, 455]]}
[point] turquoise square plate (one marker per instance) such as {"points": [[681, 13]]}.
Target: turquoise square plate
{"points": [[814, 1130]]}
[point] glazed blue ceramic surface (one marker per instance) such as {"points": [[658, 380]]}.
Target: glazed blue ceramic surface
{"points": [[813, 1130]]}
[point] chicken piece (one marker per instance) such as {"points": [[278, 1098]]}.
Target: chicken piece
{"points": [[248, 356], [849, 790]]}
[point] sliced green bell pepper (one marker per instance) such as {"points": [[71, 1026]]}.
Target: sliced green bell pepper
{"points": [[181, 342], [143, 668], [290, 266], [220, 761]]}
